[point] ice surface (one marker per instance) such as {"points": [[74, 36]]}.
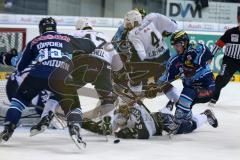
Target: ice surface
{"points": [[206, 143]]}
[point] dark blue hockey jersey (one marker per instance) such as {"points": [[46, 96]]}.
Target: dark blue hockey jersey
{"points": [[195, 59], [52, 50]]}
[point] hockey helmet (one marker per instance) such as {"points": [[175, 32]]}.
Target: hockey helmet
{"points": [[179, 37], [47, 24], [83, 23], [132, 19]]}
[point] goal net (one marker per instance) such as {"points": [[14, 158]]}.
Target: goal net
{"points": [[9, 38]]}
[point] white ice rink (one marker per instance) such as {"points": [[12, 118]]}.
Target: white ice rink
{"points": [[205, 143]]}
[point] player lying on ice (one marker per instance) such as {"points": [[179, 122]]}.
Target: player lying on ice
{"points": [[134, 120]]}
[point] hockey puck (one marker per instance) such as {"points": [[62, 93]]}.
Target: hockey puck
{"points": [[116, 141]]}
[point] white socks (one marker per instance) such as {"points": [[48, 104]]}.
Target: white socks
{"points": [[51, 105]]}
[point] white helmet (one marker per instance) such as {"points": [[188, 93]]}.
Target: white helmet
{"points": [[82, 23], [132, 19]]}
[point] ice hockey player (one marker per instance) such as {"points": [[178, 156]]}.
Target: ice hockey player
{"points": [[119, 40], [192, 65], [147, 37], [101, 64], [43, 99], [110, 61], [135, 121], [50, 55]]}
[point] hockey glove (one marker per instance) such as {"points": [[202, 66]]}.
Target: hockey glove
{"points": [[151, 91]]}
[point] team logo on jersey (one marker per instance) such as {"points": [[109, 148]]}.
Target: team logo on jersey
{"points": [[188, 62], [234, 37]]}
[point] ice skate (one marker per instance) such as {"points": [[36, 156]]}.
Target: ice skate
{"points": [[74, 131], [42, 125], [212, 120], [7, 132]]}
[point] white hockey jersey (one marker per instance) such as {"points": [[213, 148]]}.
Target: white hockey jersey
{"points": [[104, 48], [147, 38], [139, 119]]}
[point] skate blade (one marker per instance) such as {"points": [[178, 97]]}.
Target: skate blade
{"points": [[35, 131], [79, 143]]}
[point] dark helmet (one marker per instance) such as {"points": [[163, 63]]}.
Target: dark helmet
{"points": [[179, 37], [47, 24], [141, 11]]}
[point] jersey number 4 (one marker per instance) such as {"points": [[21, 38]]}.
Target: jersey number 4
{"points": [[155, 40]]}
